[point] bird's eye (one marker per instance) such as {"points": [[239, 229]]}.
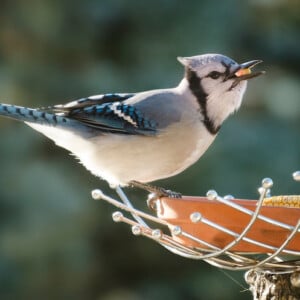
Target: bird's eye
{"points": [[214, 75]]}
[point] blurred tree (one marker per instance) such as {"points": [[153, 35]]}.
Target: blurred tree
{"points": [[55, 242]]}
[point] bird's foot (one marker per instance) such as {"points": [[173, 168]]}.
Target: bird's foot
{"points": [[157, 192]]}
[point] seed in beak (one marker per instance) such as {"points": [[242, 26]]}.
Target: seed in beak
{"points": [[242, 72]]}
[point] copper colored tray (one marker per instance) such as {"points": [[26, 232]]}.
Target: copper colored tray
{"points": [[178, 211]]}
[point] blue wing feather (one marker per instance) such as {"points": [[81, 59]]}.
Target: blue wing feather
{"points": [[108, 113], [92, 100]]}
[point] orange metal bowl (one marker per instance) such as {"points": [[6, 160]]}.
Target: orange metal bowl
{"points": [[178, 211]]}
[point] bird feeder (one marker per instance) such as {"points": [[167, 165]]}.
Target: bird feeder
{"points": [[260, 236]]}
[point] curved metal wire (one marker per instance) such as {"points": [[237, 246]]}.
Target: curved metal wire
{"points": [[220, 257]]}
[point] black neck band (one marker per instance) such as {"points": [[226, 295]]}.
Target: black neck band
{"points": [[197, 90]]}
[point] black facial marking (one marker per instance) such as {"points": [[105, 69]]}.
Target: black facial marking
{"points": [[227, 69], [201, 96]]}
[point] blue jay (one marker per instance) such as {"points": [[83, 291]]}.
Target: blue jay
{"points": [[133, 139]]}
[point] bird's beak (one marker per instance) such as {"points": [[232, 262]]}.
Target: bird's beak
{"points": [[244, 72]]}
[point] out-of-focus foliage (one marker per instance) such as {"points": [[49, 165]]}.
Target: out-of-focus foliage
{"points": [[57, 243]]}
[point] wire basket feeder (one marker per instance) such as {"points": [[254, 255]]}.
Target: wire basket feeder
{"points": [[262, 235]]}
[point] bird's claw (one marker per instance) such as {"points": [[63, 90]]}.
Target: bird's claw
{"points": [[154, 197]]}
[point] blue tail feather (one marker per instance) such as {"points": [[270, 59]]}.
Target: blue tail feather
{"points": [[31, 115]]}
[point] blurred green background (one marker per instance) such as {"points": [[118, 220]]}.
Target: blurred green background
{"points": [[55, 241]]}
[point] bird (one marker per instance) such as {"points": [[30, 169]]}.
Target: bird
{"points": [[133, 139]]}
